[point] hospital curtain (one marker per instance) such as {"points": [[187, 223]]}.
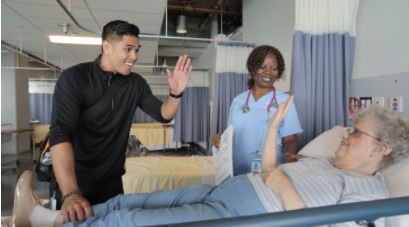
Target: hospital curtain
{"points": [[160, 88], [40, 99], [322, 64], [192, 118], [231, 77]]}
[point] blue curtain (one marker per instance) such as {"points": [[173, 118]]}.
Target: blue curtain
{"points": [[230, 80], [142, 117], [192, 118], [322, 64], [40, 98], [227, 86], [40, 107]]}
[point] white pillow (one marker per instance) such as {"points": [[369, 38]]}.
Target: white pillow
{"points": [[324, 145], [396, 175]]}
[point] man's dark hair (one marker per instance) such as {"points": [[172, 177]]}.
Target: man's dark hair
{"points": [[114, 30], [256, 59]]}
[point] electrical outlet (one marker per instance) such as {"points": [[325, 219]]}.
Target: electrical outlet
{"points": [[378, 101], [395, 104]]}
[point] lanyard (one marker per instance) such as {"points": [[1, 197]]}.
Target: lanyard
{"points": [[273, 101]]}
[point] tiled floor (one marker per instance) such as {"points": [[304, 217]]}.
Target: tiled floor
{"points": [[9, 176]]}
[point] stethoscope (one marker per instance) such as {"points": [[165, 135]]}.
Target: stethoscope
{"points": [[273, 101]]}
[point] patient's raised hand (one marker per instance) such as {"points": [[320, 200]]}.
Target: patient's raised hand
{"points": [[275, 121], [269, 156]]}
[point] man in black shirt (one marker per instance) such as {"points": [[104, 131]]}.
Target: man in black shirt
{"points": [[88, 150]]}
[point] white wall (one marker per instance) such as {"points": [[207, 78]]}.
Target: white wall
{"points": [[14, 103], [8, 102], [382, 41], [382, 47], [15, 99], [271, 22]]}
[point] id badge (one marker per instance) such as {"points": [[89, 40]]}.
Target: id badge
{"points": [[256, 165]]}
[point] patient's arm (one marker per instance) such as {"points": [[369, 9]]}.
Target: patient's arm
{"points": [[283, 187], [272, 176], [269, 156]]}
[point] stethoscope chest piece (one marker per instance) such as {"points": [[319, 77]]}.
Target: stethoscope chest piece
{"points": [[245, 108], [274, 105]]}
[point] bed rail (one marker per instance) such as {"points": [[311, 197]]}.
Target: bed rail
{"points": [[363, 212]]}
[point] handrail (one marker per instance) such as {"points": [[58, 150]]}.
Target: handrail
{"points": [[363, 212]]}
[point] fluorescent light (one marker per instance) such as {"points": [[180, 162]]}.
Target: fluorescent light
{"points": [[75, 40]]}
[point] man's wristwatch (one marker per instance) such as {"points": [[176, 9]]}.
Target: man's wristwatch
{"points": [[176, 96]]}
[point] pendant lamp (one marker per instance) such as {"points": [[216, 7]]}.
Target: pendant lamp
{"points": [[181, 24]]}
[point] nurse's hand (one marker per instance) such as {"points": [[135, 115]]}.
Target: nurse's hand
{"points": [[216, 140], [292, 157]]}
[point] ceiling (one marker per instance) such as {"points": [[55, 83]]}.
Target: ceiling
{"points": [[26, 25]]}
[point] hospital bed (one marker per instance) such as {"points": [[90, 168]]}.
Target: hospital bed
{"points": [[40, 131], [153, 136], [395, 209], [149, 173]]}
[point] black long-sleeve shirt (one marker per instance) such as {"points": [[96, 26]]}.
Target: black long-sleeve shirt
{"points": [[99, 142]]}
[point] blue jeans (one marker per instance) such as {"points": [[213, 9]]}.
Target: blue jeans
{"points": [[233, 197]]}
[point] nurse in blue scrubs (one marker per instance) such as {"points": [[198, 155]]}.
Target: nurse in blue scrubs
{"points": [[250, 111]]}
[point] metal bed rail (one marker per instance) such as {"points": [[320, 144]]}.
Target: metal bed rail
{"points": [[362, 212]]}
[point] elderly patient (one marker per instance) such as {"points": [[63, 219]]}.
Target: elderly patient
{"points": [[377, 139]]}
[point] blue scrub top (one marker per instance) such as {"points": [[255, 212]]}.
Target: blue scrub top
{"points": [[250, 129]]}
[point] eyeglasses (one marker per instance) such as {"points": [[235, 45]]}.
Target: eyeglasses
{"points": [[355, 131]]}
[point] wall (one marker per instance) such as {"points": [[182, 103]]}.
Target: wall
{"points": [[381, 42], [381, 58], [393, 84], [15, 98], [382, 38], [8, 100], [14, 103], [271, 22]]}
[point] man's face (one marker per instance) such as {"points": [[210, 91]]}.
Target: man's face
{"points": [[121, 54]]}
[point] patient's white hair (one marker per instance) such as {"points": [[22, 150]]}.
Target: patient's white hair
{"points": [[390, 128]]}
